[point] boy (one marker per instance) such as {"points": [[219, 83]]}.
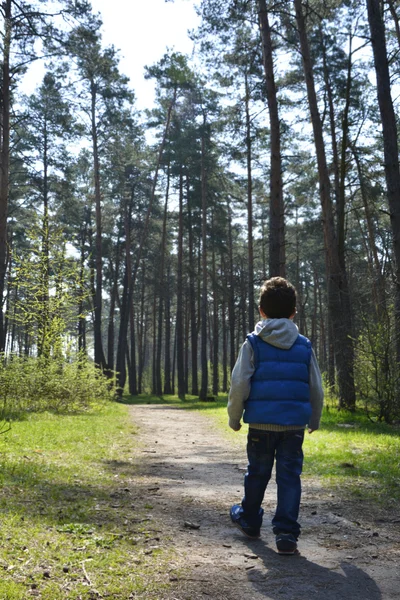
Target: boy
{"points": [[277, 383]]}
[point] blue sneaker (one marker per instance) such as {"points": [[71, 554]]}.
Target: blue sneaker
{"points": [[239, 521], [286, 543]]}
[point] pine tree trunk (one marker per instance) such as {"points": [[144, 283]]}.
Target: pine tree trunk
{"points": [[338, 293], [250, 248], [277, 253], [158, 382], [167, 356], [99, 358], [390, 142], [231, 294], [224, 330], [192, 301], [179, 300], [379, 285], [215, 335], [4, 156], [395, 19], [203, 312], [132, 367]]}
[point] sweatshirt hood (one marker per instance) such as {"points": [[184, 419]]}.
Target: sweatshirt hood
{"points": [[281, 333]]}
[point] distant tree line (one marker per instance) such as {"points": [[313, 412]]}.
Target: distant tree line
{"points": [[140, 239]]}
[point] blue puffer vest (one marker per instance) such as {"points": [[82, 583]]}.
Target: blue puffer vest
{"points": [[279, 392]]}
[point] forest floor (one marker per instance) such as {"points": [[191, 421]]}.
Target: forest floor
{"points": [[189, 475]]}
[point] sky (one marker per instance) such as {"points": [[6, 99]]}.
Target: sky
{"points": [[143, 30]]}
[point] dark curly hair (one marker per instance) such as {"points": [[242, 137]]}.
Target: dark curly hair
{"points": [[278, 298]]}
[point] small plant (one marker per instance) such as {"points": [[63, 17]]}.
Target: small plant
{"points": [[37, 384]]}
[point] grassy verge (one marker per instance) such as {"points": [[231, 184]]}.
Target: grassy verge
{"points": [[348, 453], [72, 525]]}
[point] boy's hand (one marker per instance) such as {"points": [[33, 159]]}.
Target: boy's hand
{"points": [[235, 426], [310, 430]]}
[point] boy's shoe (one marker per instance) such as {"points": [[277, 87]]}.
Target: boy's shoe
{"points": [[286, 543], [239, 521]]}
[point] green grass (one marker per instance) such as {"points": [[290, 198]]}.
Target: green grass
{"points": [[362, 460], [71, 522]]}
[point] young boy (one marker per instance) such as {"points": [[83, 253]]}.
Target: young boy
{"points": [[277, 383]]}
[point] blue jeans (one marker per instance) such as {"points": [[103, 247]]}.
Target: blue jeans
{"points": [[263, 447]]}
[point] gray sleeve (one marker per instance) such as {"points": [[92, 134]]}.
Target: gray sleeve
{"points": [[316, 393], [240, 384]]}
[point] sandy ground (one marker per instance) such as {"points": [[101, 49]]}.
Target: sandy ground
{"points": [[191, 476]]}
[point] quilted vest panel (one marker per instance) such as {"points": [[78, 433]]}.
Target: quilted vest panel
{"points": [[279, 392]]}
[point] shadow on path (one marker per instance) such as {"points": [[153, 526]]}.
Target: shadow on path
{"points": [[296, 577]]}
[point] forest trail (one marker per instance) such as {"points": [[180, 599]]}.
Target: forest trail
{"points": [[348, 549]]}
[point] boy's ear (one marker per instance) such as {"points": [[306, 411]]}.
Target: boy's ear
{"points": [[262, 313], [293, 315]]}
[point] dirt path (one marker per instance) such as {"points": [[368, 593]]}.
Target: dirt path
{"points": [[192, 475]]}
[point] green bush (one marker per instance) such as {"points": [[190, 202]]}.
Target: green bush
{"points": [[39, 384], [377, 375]]}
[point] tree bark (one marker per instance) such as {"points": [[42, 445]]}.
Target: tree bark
{"points": [[250, 248], [99, 357], [390, 142], [338, 293], [4, 157], [192, 301], [179, 300], [231, 293], [277, 251], [158, 382], [215, 328], [167, 356], [204, 364]]}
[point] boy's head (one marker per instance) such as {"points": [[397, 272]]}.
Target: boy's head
{"points": [[277, 299]]}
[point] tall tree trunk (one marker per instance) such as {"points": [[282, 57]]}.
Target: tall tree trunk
{"points": [[231, 293], [142, 326], [203, 315], [111, 318], [390, 142], [250, 248], [179, 300], [44, 343], [338, 293], [277, 252], [224, 329], [215, 335], [167, 354], [81, 315], [132, 367], [192, 300], [158, 382], [99, 357], [4, 157], [133, 270], [154, 341], [332, 116], [395, 19], [380, 285]]}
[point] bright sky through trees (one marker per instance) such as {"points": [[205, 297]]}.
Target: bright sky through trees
{"points": [[143, 31]]}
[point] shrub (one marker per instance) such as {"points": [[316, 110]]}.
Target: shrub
{"points": [[38, 384], [377, 375]]}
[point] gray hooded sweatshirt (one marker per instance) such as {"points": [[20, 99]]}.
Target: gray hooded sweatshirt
{"points": [[281, 333]]}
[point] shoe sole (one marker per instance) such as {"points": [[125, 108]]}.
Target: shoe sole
{"points": [[252, 537], [288, 552]]}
